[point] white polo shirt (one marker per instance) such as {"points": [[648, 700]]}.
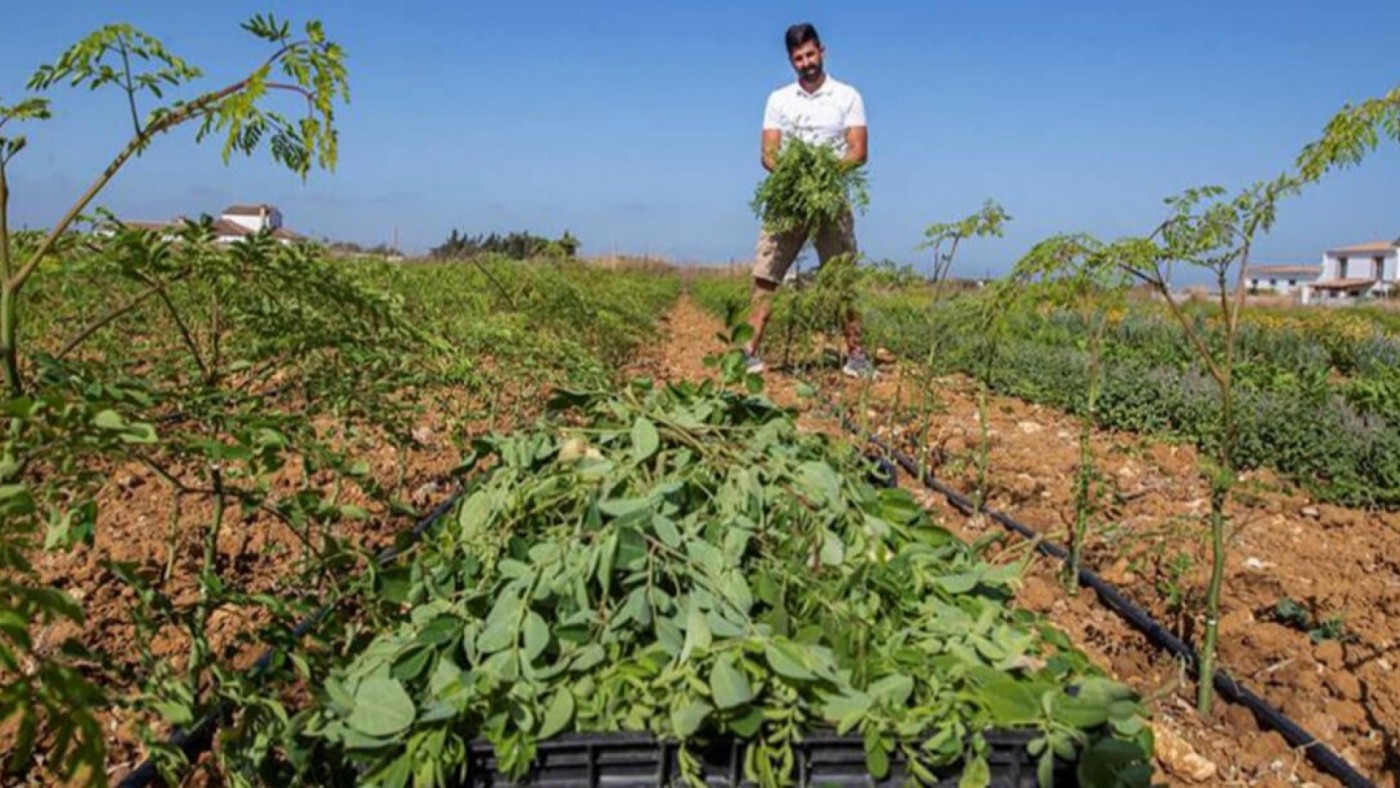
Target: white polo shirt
{"points": [[818, 118]]}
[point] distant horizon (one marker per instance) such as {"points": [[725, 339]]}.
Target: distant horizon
{"points": [[637, 130]]}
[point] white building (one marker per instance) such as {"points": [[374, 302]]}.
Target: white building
{"points": [[1353, 273], [1281, 279], [235, 222]]}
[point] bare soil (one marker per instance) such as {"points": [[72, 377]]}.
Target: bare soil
{"points": [[144, 523], [1149, 539]]}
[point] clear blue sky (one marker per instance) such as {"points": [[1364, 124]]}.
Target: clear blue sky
{"points": [[636, 125]]}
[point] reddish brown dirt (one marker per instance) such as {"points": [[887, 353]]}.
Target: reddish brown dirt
{"points": [[258, 552], [1334, 561]]}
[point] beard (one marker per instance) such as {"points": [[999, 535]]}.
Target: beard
{"points": [[810, 73]]}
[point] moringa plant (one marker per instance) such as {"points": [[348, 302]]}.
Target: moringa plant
{"points": [[943, 240], [1215, 233], [1080, 274], [114, 56], [1351, 134], [62, 423]]}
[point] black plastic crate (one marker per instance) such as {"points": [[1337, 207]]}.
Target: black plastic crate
{"points": [[823, 759]]}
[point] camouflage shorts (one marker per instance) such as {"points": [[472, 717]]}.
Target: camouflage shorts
{"points": [[777, 251]]}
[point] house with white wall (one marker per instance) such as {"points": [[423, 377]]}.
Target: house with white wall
{"points": [[1282, 279], [238, 221], [1357, 272], [235, 222]]}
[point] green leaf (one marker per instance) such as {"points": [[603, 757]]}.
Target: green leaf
{"points": [[536, 636], [977, 774], [748, 724], [445, 675], [1045, 768], [710, 559], [697, 631], [475, 512], [728, 685], [174, 712], [382, 708], [786, 659], [960, 583], [721, 626], [1113, 763], [558, 715], [621, 507], [109, 420], [411, 663], [893, 690], [687, 718], [736, 542], [666, 531], [140, 433], [441, 630], [833, 552], [877, 760], [501, 623], [1126, 726], [588, 658], [845, 710], [645, 440], [1077, 712], [819, 481], [1012, 702]]}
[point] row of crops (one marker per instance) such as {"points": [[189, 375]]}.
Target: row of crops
{"points": [[679, 561], [267, 412], [1317, 395], [1319, 389]]}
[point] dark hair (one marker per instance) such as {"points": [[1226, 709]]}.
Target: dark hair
{"points": [[797, 35]]}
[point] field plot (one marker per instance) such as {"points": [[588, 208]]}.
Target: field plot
{"points": [[1310, 592], [284, 416], [251, 492], [361, 522]]}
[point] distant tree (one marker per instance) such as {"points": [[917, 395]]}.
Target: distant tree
{"points": [[515, 245]]}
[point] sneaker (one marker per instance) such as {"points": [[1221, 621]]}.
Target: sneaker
{"points": [[858, 366], [753, 364]]}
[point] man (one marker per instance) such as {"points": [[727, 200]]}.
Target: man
{"points": [[818, 110]]}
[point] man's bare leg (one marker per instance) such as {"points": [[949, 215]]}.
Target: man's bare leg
{"points": [[761, 302], [854, 333]]}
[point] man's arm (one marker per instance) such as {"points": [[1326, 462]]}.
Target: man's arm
{"points": [[772, 139], [857, 137], [857, 146]]}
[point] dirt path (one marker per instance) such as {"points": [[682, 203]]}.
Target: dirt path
{"points": [[1148, 542]]}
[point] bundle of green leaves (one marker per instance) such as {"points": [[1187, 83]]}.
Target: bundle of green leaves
{"points": [[809, 188], [683, 561]]}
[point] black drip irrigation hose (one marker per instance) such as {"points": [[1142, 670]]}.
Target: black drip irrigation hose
{"points": [[1232, 690], [194, 741]]}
